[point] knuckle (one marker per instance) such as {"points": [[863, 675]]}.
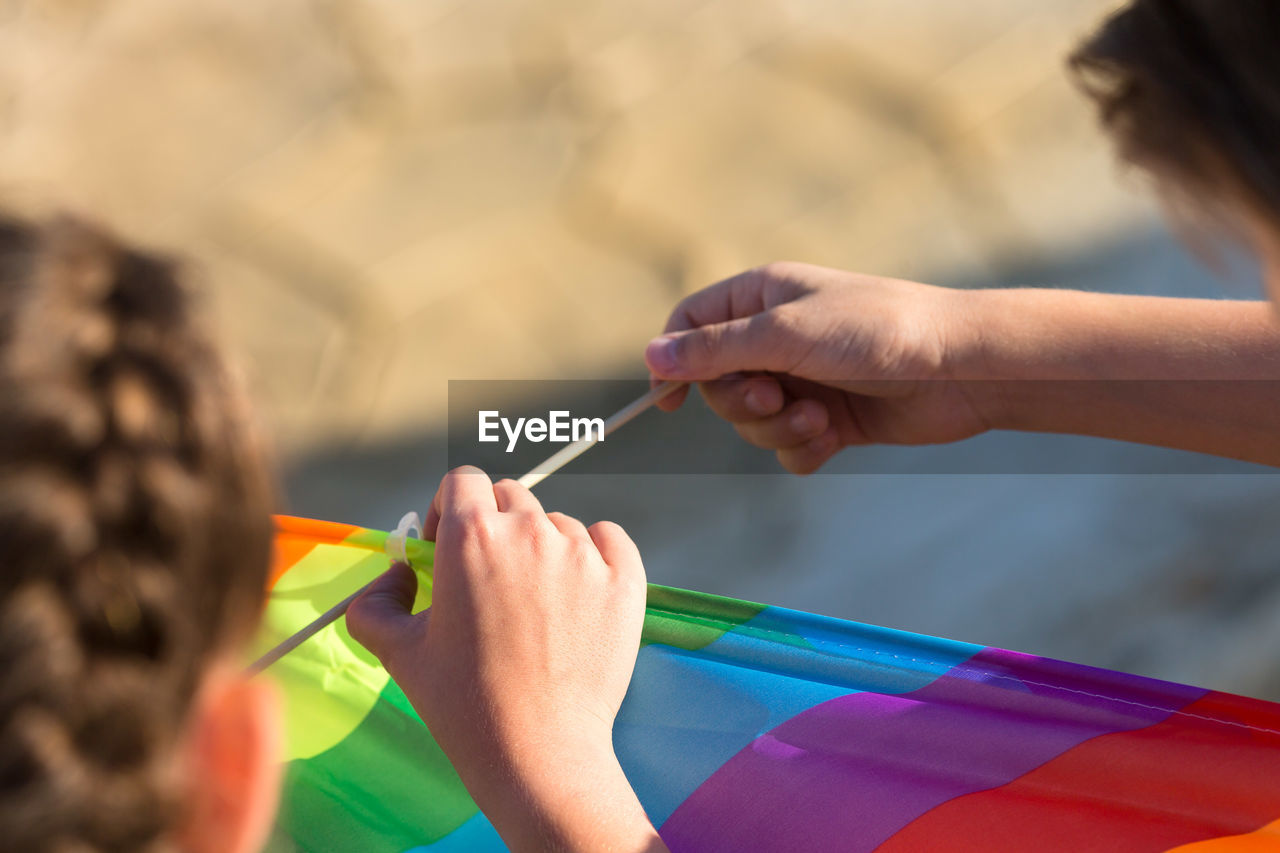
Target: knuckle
{"points": [[605, 529], [535, 525], [785, 329], [695, 344], [632, 572], [583, 554], [475, 525], [781, 321], [629, 577], [467, 516], [611, 535], [570, 524], [356, 625], [529, 515]]}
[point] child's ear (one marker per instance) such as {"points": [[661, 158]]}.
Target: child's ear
{"points": [[232, 757]]}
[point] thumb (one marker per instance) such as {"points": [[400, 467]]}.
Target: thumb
{"points": [[380, 618], [712, 351]]}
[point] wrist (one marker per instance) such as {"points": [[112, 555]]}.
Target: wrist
{"points": [[979, 356], [572, 798], [515, 762]]}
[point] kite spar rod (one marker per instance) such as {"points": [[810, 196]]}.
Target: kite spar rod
{"points": [[558, 460]]}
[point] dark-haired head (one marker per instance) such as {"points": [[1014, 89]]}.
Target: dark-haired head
{"points": [[134, 542], [1190, 90]]}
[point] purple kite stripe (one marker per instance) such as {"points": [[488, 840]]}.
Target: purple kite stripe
{"points": [[849, 773]]}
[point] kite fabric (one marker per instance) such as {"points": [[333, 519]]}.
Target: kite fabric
{"points": [[749, 727]]}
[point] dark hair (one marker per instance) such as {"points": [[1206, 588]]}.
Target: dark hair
{"points": [[1190, 90], [135, 535]]}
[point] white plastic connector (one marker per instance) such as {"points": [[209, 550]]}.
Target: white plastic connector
{"points": [[410, 526]]}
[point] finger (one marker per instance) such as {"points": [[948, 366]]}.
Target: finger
{"points": [[466, 487], [568, 525], [739, 296], [672, 401], [709, 352], [381, 616], [802, 421], [748, 399], [812, 455], [613, 543], [430, 523], [513, 497]]}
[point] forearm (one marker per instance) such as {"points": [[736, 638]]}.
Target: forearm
{"points": [[583, 802], [1193, 374]]}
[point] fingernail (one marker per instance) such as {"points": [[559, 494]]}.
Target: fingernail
{"points": [[755, 405], [801, 422], [660, 355]]}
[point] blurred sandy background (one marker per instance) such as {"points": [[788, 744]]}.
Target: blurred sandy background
{"points": [[384, 195]]}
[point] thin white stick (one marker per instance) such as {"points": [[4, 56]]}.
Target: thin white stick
{"points": [[293, 641], [558, 460], [570, 452]]}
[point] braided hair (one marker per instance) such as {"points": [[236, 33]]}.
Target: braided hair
{"points": [[135, 535]]}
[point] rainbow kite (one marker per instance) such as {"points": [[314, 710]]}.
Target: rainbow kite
{"points": [[756, 728]]}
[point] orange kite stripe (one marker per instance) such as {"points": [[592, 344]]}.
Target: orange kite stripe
{"points": [[295, 537], [1265, 840]]}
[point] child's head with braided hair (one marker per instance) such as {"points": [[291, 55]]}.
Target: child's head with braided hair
{"points": [[134, 543]]}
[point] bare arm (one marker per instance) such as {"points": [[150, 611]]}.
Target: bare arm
{"points": [[1194, 374], [821, 359]]}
